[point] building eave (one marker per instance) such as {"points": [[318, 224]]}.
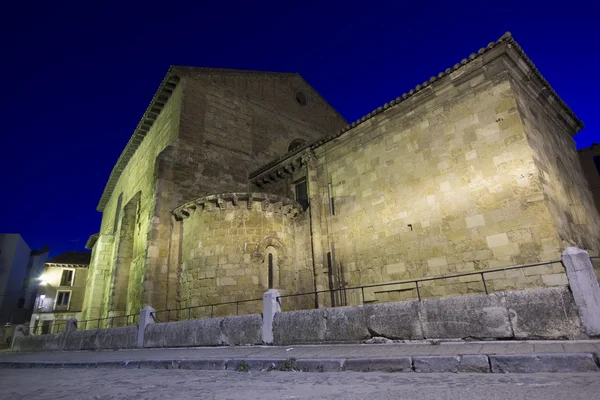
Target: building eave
{"points": [[160, 98], [505, 39]]}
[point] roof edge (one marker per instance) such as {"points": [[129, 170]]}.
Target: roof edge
{"points": [[506, 38], [160, 98]]}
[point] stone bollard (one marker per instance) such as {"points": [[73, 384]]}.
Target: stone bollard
{"points": [[71, 326], [146, 317], [19, 332], [271, 306], [584, 286]]}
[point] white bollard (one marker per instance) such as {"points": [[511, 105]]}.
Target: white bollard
{"points": [[271, 306], [146, 317], [584, 286]]}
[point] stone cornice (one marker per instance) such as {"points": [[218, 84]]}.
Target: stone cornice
{"points": [[506, 39], [224, 201], [66, 265], [157, 104], [297, 159], [92, 241]]}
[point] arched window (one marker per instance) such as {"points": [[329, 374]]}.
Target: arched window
{"points": [[296, 143], [270, 270]]}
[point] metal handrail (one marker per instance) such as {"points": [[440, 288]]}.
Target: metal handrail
{"points": [[84, 324], [212, 308], [416, 281]]}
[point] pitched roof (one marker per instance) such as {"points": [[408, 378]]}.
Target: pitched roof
{"points": [[506, 38], [159, 100], [72, 258]]}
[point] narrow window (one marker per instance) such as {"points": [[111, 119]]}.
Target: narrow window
{"points": [[302, 194], [270, 270], [117, 213], [597, 162], [331, 204], [67, 277]]}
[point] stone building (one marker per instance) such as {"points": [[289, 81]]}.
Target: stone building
{"points": [[235, 182], [590, 162], [61, 291], [20, 266]]}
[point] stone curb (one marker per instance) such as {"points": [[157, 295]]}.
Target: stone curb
{"points": [[509, 363]]}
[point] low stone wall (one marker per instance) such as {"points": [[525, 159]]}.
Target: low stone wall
{"points": [[547, 313], [239, 330], [102, 339]]}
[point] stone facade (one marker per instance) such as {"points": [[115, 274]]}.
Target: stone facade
{"points": [[474, 170]]}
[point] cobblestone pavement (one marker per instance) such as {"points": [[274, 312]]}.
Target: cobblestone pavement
{"points": [[178, 384], [316, 351]]}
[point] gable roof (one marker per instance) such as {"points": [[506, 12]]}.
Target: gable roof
{"points": [[160, 98], [505, 39], [72, 258]]}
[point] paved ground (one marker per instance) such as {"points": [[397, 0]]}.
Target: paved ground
{"points": [[178, 384], [315, 351]]}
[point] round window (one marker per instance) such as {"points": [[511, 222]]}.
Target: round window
{"points": [[301, 98]]}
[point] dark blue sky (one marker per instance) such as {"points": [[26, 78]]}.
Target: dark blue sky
{"points": [[77, 78]]}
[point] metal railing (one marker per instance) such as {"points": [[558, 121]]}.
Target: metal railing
{"points": [[224, 309], [416, 282], [187, 313], [59, 325]]}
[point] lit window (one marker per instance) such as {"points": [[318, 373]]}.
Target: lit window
{"points": [[67, 277], [62, 299]]}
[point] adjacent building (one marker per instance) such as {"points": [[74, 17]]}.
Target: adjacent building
{"points": [[235, 182], [20, 266], [61, 292]]}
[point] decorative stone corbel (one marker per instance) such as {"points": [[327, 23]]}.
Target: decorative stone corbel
{"points": [[265, 204]]}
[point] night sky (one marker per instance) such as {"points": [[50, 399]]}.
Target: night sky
{"points": [[78, 78]]}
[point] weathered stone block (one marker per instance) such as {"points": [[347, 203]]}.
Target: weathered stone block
{"points": [[297, 327], [398, 320], [436, 363], [395, 364], [243, 329], [471, 316], [154, 335], [345, 324], [529, 363], [474, 363], [548, 313]]}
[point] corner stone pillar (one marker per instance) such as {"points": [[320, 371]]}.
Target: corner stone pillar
{"points": [[71, 326], [146, 318], [20, 332], [271, 306], [584, 285]]}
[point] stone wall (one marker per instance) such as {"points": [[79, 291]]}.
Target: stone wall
{"points": [[548, 313], [231, 331], [225, 247], [451, 180], [435, 186], [102, 339], [567, 195], [137, 179]]}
